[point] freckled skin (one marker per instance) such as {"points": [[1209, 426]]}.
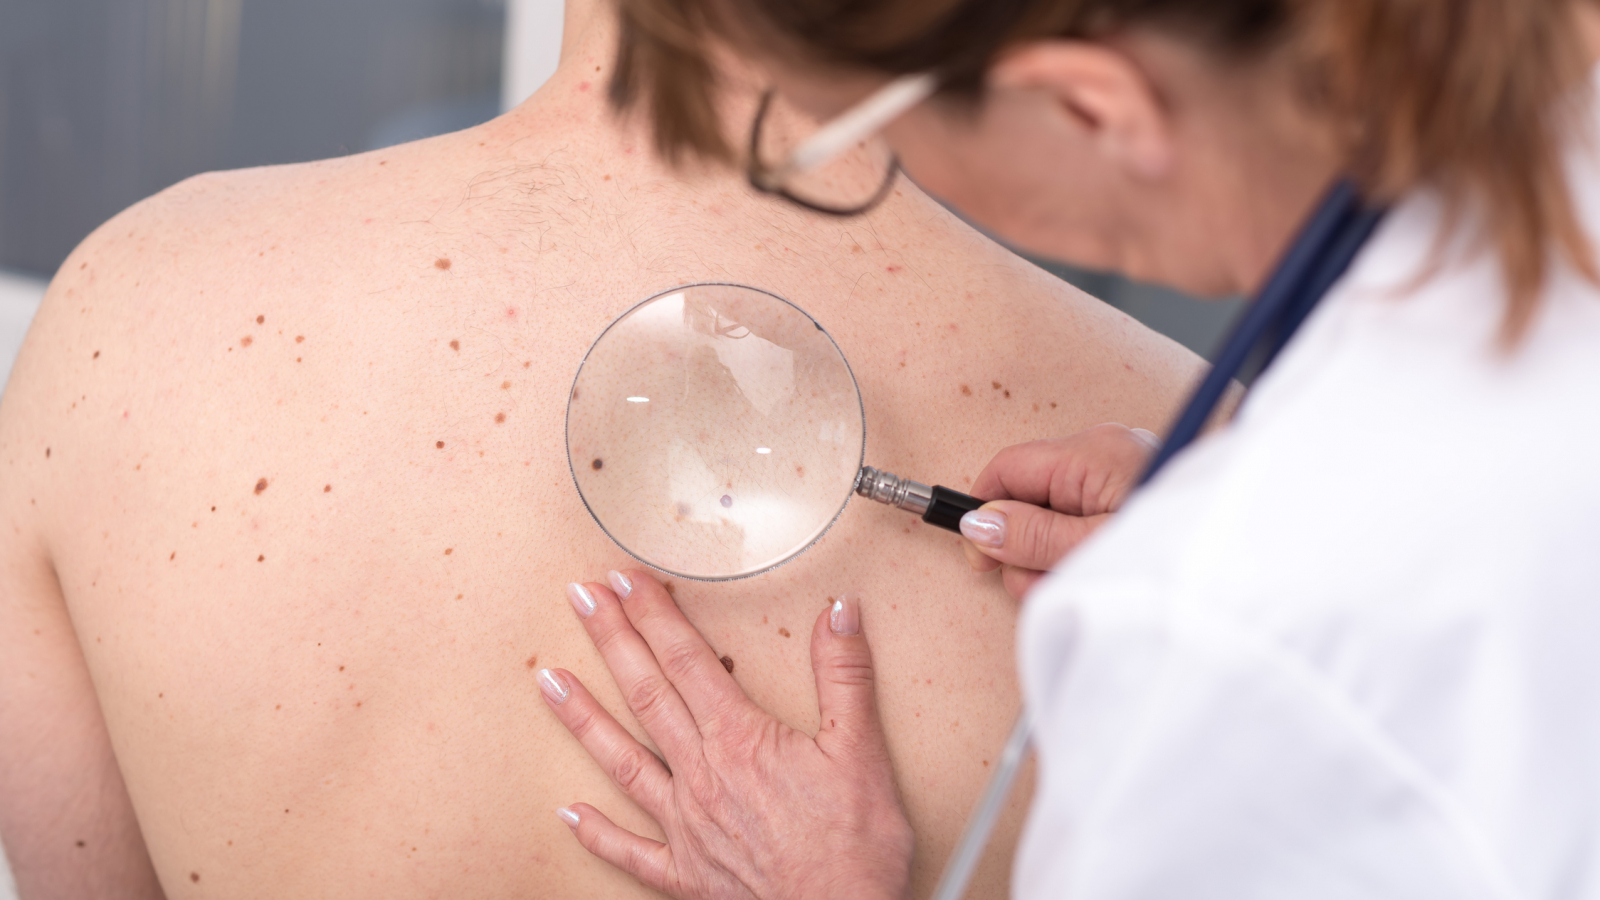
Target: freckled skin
{"points": [[452, 750]]}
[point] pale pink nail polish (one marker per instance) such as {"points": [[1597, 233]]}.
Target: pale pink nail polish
{"points": [[620, 584], [985, 527], [845, 617], [567, 816], [554, 687], [582, 600]]}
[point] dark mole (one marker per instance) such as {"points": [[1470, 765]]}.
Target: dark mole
{"points": [[783, 631], [1008, 394], [598, 464], [96, 355], [261, 558], [341, 668], [213, 509], [246, 341], [441, 263], [327, 488], [195, 877], [261, 485], [47, 453], [1052, 406], [80, 843], [499, 417], [727, 663], [439, 444], [456, 346], [816, 323], [966, 391], [533, 660], [672, 589], [261, 320]]}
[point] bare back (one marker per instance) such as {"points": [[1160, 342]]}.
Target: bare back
{"points": [[287, 503]]}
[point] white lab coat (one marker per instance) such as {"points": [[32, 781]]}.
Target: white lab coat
{"points": [[1350, 646]]}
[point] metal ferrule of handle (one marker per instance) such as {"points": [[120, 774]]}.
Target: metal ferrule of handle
{"points": [[886, 487]]}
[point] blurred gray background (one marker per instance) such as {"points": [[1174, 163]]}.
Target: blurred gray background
{"points": [[104, 102]]}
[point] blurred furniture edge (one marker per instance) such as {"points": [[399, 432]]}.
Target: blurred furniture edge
{"points": [[19, 300], [533, 46]]}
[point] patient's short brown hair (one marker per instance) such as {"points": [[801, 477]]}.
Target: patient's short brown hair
{"points": [[1468, 96]]}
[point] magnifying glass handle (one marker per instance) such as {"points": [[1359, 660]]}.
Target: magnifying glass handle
{"points": [[937, 505]]}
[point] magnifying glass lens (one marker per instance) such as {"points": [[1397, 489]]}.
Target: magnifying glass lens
{"points": [[715, 431]]}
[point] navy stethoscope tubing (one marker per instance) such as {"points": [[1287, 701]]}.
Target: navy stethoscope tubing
{"points": [[1322, 252], [1320, 255]]}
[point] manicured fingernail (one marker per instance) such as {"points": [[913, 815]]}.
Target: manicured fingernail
{"points": [[1149, 437], [985, 527], [554, 687], [620, 584], [567, 816], [845, 617], [582, 600]]}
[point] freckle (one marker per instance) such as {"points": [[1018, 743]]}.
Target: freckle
{"points": [[160, 696], [96, 354], [499, 418], [506, 386], [341, 668], [297, 359], [358, 704], [533, 661], [1008, 395], [986, 764], [213, 509], [800, 471], [607, 178], [908, 529], [47, 453], [459, 596], [299, 339], [80, 843], [246, 341], [727, 663], [173, 556], [456, 346], [1036, 407], [783, 631], [195, 877], [261, 558], [855, 248], [527, 364], [597, 465], [449, 550], [763, 620], [441, 264], [438, 445], [279, 706], [261, 320], [1052, 406], [966, 391], [995, 385], [902, 364], [261, 485], [327, 488]]}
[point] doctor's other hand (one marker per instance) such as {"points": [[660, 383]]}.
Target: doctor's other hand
{"points": [[1046, 496], [750, 807]]}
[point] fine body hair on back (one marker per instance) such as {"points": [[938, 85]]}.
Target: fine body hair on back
{"points": [[1474, 98]]}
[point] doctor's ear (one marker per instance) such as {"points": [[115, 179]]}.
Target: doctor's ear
{"points": [[1100, 91]]}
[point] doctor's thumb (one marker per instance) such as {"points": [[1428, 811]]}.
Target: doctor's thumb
{"points": [[846, 682], [1029, 537]]}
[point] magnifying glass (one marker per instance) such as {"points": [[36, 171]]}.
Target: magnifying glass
{"points": [[715, 431]]}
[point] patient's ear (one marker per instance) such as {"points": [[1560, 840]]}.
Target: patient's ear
{"points": [[1100, 92]]}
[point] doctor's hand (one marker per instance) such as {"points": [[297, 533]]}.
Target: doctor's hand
{"points": [[1047, 496], [750, 807]]}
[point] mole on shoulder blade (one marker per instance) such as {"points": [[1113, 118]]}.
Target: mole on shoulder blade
{"points": [[598, 464], [727, 663], [261, 485], [783, 631]]}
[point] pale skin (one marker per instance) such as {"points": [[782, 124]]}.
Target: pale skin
{"points": [[278, 577], [1184, 169]]}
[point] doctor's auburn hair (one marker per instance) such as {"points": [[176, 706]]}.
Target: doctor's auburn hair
{"points": [[1471, 97]]}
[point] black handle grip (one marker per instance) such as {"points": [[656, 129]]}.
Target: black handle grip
{"points": [[947, 508]]}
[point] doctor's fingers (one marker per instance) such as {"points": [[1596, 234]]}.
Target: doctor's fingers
{"points": [[1088, 473], [688, 662], [1024, 535], [631, 765], [650, 696], [847, 695]]}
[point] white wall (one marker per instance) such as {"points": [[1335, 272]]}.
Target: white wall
{"points": [[533, 46], [19, 299]]}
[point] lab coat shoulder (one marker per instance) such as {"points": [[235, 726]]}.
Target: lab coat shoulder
{"points": [[1338, 650]]}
